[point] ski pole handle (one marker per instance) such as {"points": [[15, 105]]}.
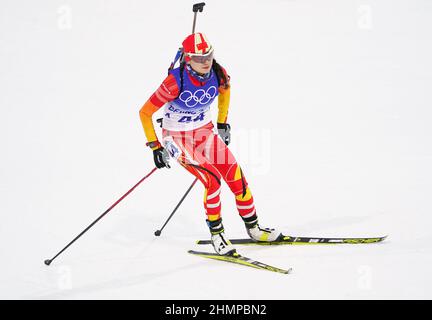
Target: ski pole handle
{"points": [[198, 7]]}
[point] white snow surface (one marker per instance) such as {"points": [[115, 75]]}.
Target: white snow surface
{"points": [[331, 117]]}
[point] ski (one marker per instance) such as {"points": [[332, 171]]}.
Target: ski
{"points": [[239, 259], [302, 241]]}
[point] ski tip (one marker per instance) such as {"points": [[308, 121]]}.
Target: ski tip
{"points": [[284, 271], [379, 239]]}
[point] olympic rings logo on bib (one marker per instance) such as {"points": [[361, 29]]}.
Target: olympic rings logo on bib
{"points": [[198, 97]]}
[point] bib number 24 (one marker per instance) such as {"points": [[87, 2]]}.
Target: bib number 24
{"points": [[187, 119]]}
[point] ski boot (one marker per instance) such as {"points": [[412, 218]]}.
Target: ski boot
{"points": [[258, 233], [220, 242], [222, 245]]}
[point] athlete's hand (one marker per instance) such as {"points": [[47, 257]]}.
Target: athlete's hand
{"points": [[161, 158], [224, 132]]}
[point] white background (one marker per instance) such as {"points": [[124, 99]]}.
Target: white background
{"points": [[330, 110]]}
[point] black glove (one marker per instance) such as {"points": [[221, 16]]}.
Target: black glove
{"points": [[224, 132], [161, 158]]}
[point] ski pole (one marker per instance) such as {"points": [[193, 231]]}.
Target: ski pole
{"points": [[48, 261], [158, 232], [195, 8]]}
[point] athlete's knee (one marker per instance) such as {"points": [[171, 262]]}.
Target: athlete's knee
{"points": [[237, 182]]}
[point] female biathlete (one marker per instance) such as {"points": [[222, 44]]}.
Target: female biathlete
{"points": [[189, 137]]}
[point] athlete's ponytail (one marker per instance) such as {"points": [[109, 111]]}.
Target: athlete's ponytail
{"points": [[220, 75]]}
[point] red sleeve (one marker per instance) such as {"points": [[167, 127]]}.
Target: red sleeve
{"points": [[168, 91]]}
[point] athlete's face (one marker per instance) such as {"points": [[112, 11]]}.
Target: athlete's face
{"points": [[202, 67]]}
